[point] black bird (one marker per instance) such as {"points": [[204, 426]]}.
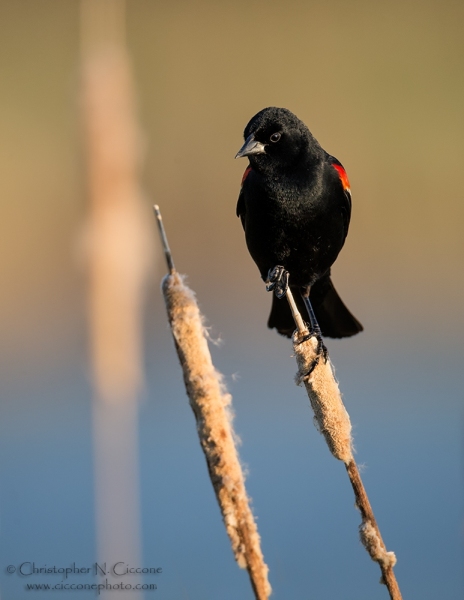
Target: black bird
{"points": [[295, 208]]}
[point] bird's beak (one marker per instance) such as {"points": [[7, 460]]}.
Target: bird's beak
{"points": [[251, 146]]}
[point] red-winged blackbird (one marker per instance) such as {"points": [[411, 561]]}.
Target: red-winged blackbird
{"points": [[295, 207]]}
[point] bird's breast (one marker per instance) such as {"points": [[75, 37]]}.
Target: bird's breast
{"points": [[293, 225]]}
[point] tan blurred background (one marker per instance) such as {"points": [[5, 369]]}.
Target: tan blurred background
{"points": [[381, 87]]}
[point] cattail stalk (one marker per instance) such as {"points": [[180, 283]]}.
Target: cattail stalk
{"points": [[333, 421], [210, 403]]}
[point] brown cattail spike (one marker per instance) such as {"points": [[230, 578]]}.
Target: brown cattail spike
{"points": [[333, 421], [210, 403]]}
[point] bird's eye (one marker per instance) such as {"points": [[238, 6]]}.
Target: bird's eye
{"points": [[275, 137]]}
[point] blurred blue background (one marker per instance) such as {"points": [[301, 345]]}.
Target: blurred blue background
{"points": [[381, 88]]}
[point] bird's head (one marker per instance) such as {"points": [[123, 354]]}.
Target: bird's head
{"points": [[276, 139]]}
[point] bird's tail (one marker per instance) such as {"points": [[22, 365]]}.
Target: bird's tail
{"points": [[334, 319]]}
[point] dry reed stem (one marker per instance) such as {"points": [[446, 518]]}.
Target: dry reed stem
{"points": [[210, 403], [333, 421]]}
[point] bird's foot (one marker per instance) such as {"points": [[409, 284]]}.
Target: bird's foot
{"points": [[321, 350], [277, 281]]}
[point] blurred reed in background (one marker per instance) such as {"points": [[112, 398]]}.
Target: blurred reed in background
{"points": [[118, 248]]}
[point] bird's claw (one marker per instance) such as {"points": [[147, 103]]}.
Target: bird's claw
{"points": [[277, 281], [321, 350]]}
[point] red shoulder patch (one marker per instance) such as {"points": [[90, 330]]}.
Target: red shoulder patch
{"points": [[343, 176], [245, 175]]}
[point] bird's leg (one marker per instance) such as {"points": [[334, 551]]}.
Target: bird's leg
{"points": [[314, 331], [277, 281]]}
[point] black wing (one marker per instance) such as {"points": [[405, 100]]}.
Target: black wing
{"points": [[241, 209], [346, 204]]}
